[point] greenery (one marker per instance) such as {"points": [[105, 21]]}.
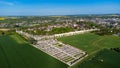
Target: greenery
{"points": [[17, 53], [91, 43], [107, 31], [104, 59], [51, 32], [9, 32], [61, 30], [116, 49]]}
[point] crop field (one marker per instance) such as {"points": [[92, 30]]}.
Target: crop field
{"points": [[17, 53], [2, 18], [90, 42], [103, 59]]}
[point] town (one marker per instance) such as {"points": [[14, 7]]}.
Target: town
{"points": [[59, 34], [47, 34]]}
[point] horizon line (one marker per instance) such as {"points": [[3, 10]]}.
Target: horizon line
{"points": [[65, 14]]}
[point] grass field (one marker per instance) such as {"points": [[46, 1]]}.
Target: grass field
{"points": [[92, 44], [104, 59], [16, 53]]}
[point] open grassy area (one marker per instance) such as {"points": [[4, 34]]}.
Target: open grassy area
{"points": [[90, 42], [104, 59], [16, 53]]}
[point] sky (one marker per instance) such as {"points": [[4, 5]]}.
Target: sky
{"points": [[58, 7]]}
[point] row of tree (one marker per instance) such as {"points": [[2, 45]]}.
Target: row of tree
{"points": [[51, 32], [107, 31], [116, 49]]}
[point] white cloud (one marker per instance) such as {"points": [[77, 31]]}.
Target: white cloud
{"points": [[6, 3]]}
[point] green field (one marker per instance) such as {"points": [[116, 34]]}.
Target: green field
{"points": [[104, 59], [92, 44], [16, 53]]}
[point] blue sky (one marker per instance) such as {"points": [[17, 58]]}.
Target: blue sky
{"points": [[58, 7]]}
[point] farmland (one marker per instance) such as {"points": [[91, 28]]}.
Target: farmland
{"points": [[17, 53], [90, 42], [93, 44], [2, 18], [103, 59]]}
